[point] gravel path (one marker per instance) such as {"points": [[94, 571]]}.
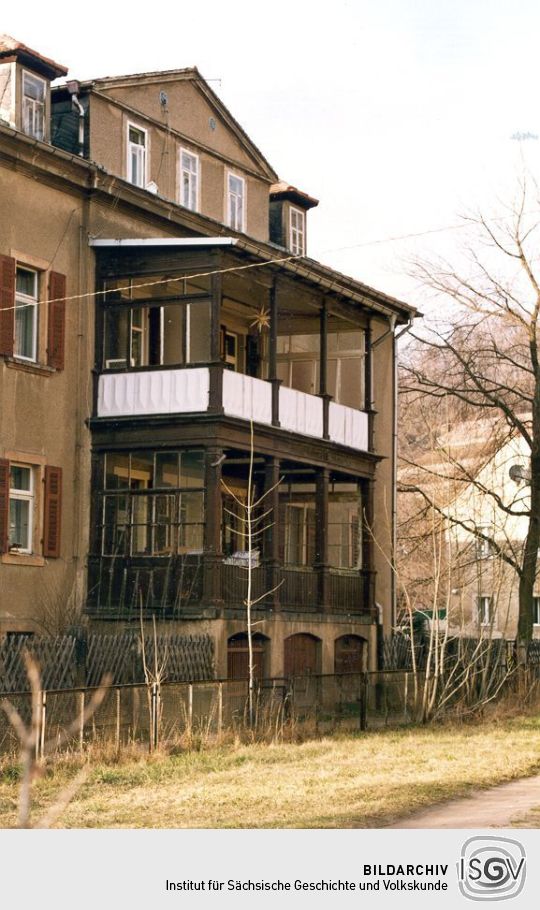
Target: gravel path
{"points": [[498, 807]]}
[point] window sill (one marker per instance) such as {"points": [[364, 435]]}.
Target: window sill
{"points": [[22, 559], [38, 369]]}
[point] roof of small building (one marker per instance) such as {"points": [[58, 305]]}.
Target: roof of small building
{"points": [[283, 190], [10, 47]]}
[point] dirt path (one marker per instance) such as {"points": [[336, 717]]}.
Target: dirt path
{"points": [[498, 807]]}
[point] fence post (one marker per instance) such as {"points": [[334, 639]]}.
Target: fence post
{"points": [[406, 696], [363, 702], [43, 722], [81, 720], [190, 708], [117, 737], [220, 709]]}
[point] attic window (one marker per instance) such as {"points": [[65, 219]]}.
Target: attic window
{"points": [[136, 163], [235, 202], [33, 105], [297, 229]]}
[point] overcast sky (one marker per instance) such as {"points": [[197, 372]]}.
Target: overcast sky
{"points": [[397, 115]]}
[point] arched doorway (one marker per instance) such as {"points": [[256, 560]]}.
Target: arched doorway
{"points": [[238, 656], [301, 655], [350, 652]]}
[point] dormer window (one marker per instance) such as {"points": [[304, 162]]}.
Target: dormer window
{"points": [[136, 157], [297, 228], [34, 91]]}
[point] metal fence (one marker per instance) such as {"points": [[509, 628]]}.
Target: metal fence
{"points": [[198, 713], [202, 711]]}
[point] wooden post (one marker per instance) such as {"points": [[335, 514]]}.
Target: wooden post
{"points": [[212, 527], [215, 404], [368, 385], [81, 721], [321, 537], [323, 374], [272, 533], [43, 720], [118, 705], [272, 354], [190, 708], [220, 709]]}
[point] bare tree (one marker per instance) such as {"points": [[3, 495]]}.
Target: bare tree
{"points": [[486, 365], [254, 521]]}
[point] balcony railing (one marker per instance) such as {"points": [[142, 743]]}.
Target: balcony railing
{"points": [[187, 391], [172, 587]]}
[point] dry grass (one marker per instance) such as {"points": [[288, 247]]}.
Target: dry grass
{"points": [[346, 781]]}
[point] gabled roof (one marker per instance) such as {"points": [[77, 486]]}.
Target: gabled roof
{"points": [[10, 47], [188, 74]]}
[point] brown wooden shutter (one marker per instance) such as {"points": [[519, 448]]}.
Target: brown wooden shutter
{"points": [[4, 504], [57, 320], [7, 304], [53, 512]]}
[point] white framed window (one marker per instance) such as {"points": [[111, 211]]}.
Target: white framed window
{"points": [[34, 94], [297, 231], [26, 314], [236, 201], [137, 145], [21, 508], [189, 180], [486, 613], [484, 548], [536, 610]]}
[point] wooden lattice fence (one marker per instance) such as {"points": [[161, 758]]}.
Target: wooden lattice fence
{"points": [[83, 659]]}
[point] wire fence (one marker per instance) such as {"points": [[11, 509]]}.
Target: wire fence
{"points": [[201, 712]]}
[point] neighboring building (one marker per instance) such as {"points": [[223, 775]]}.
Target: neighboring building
{"points": [[155, 300], [476, 475]]}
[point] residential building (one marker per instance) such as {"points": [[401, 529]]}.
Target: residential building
{"points": [[163, 335]]}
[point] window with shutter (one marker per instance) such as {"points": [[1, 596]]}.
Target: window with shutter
{"points": [[4, 504], [7, 304], [57, 320], [53, 510]]}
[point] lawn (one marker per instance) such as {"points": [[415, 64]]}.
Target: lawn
{"points": [[362, 780]]}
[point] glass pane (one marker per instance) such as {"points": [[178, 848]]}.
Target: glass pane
{"points": [[136, 136], [27, 282], [25, 330], [142, 470], [351, 341], [191, 508], [164, 518], [19, 523], [166, 469], [303, 376], [116, 471], [20, 478], [33, 88], [141, 531], [116, 332], [173, 334], [351, 383], [115, 529], [192, 469], [199, 332], [305, 343]]}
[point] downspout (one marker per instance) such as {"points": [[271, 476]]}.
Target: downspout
{"points": [[73, 88], [395, 339]]}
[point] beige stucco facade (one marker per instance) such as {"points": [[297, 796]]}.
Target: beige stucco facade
{"points": [[54, 206]]}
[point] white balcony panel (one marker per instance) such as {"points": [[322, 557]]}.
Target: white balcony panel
{"points": [[153, 392], [348, 426], [300, 412], [246, 397]]}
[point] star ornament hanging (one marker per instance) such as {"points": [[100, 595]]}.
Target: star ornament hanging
{"points": [[262, 320]]}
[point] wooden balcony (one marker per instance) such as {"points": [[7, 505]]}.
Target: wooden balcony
{"points": [[184, 586], [196, 390]]}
